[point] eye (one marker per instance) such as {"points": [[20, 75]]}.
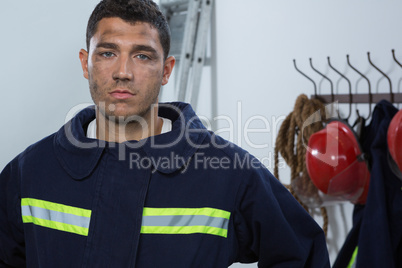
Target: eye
{"points": [[107, 54], [142, 57]]}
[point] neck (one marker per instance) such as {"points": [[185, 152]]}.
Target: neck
{"points": [[122, 131]]}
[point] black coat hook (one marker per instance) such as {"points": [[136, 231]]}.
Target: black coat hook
{"points": [[393, 54], [369, 85], [332, 86], [315, 86], [389, 80], [350, 88]]}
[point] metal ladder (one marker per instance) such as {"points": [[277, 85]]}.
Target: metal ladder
{"points": [[189, 22]]}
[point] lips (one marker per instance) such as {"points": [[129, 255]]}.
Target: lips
{"points": [[121, 94]]}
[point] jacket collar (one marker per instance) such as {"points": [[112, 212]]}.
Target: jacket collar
{"points": [[171, 151], [79, 155]]}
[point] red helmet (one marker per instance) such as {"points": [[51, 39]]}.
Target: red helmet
{"points": [[335, 163], [394, 137]]}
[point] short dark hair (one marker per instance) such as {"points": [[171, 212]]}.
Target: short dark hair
{"points": [[131, 11]]}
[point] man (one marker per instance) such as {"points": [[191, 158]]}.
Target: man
{"points": [[134, 183]]}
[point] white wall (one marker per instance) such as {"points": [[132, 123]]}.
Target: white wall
{"points": [[40, 74], [41, 79]]}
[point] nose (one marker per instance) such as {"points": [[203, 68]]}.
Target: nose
{"points": [[123, 70]]}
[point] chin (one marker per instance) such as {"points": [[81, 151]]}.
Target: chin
{"points": [[126, 116]]}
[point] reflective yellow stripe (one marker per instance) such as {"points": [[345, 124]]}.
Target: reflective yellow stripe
{"points": [[185, 221], [184, 230], [56, 225], [55, 207], [353, 259], [55, 216], [211, 212]]}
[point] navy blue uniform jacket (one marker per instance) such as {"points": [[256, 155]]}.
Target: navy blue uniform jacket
{"points": [[186, 198], [376, 235]]}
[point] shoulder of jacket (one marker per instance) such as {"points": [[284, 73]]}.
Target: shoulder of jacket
{"points": [[36, 149], [227, 147], [241, 160]]}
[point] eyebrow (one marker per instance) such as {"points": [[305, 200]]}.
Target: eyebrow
{"points": [[134, 47], [107, 45], [145, 48]]}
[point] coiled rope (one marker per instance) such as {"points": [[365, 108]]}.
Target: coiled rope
{"points": [[295, 154]]}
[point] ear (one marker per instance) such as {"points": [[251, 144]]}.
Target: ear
{"points": [[167, 69], [84, 62]]}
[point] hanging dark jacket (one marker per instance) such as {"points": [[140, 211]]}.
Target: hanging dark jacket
{"points": [[186, 198], [376, 236]]}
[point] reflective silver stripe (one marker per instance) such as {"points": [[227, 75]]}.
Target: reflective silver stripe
{"points": [[51, 215], [185, 220]]}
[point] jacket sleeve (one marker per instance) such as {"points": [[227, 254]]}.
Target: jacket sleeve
{"points": [[273, 228], [12, 245]]}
